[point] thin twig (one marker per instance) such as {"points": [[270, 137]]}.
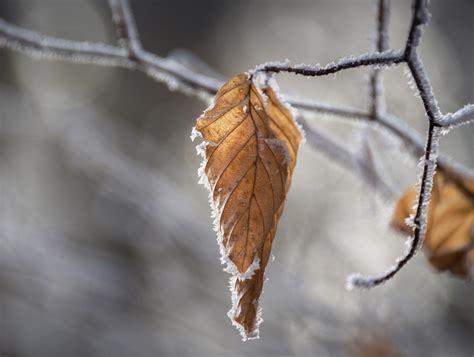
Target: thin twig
{"points": [[125, 27], [385, 58], [377, 101], [462, 116], [173, 73], [45, 47], [425, 90], [41, 46], [420, 17], [383, 17]]}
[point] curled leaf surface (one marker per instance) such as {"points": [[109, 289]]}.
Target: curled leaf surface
{"points": [[250, 147]]}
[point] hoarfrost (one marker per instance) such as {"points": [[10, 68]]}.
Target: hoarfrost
{"points": [[262, 66], [463, 116]]}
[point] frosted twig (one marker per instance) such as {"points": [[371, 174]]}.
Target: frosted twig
{"points": [[46, 47], [464, 115], [424, 88], [420, 17], [377, 102], [125, 26], [40, 46], [383, 17], [385, 58]]}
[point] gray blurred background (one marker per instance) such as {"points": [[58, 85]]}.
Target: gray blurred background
{"points": [[106, 242]]}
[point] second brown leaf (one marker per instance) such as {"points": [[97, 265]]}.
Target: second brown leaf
{"points": [[449, 240]]}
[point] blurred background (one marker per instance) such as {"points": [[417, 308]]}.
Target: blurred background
{"points": [[106, 241]]}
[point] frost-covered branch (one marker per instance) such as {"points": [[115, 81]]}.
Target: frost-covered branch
{"points": [[386, 58], [166, 70], [36, 45], [462, 116], [420, 17], [425, 90], [160, 69], [377, 101], [125, 26], [383, 17], [40, 46]]}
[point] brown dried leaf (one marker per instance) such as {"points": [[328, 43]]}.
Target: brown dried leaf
{"points": [[449, 240], [249, 152]]}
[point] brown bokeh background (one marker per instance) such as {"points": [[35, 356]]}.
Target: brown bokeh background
{"points": [[106, 242]]}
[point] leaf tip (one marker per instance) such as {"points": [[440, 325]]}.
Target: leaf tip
{"points": [[247, 332]]}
